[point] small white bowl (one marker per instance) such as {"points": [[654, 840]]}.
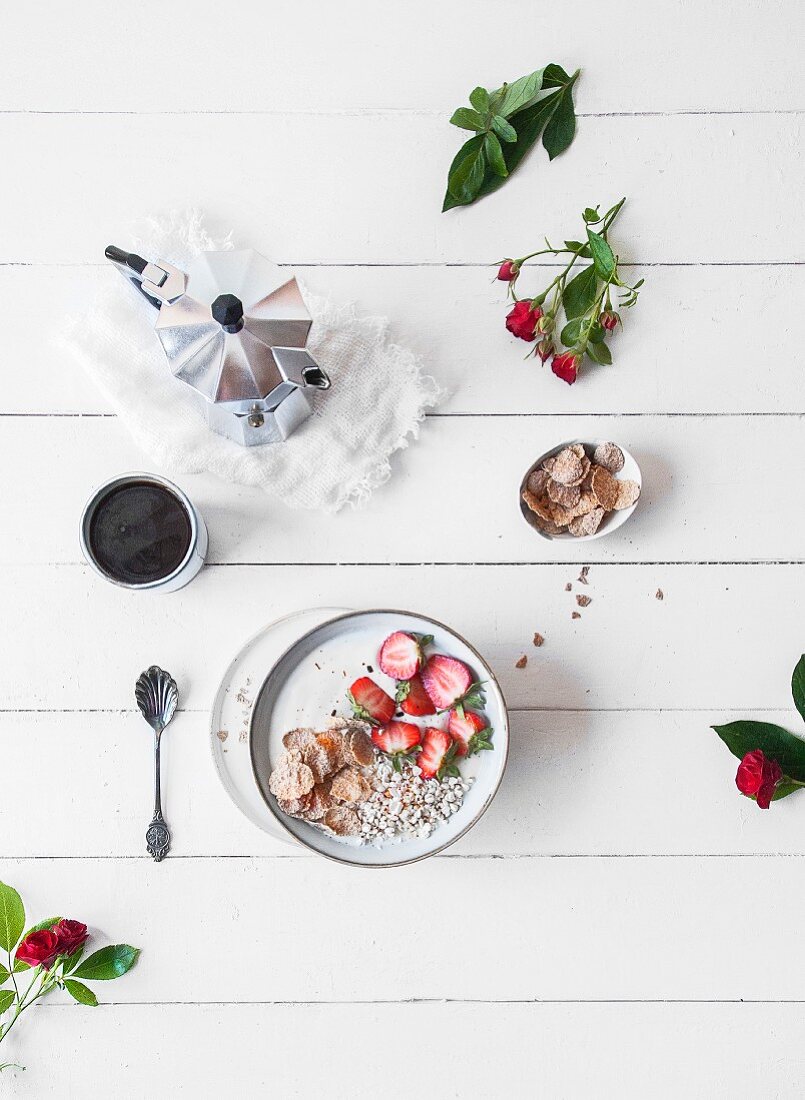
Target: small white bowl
{"points": [[612, 520]]}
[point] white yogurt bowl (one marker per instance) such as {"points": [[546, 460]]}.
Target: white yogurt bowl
{"points": [[309, 682]]}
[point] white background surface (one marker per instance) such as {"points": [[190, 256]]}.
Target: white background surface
{"points": [[622, 922]]}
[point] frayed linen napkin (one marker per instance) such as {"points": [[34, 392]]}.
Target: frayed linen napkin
{"points": [[377, 400]]}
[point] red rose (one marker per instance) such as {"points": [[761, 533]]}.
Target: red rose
{"points": [[508, 270], [522, 321], [758, 776], [39, 949], [608, 320], [566, 366], [544, 350], [71, 934]]}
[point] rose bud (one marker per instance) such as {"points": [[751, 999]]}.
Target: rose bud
{"points": [[566, 366], [71, 934], [608, 320], [758, 776], [39, 949], [522, 321], [544, 350], [508, 270]]}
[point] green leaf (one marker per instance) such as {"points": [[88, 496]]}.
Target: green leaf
{"points": [[599, 353], [561, 129], [503, 129], [79, 992], [6, 999], [784, 788], [577, 246], [798, 685], [110, 962], [571, 332], [596, 334], [554, 76], [466, 173], [494, 155], [12, 916], [479, 98], [529, 125], [520, 94], [777, 743], [603, 257], [466, 119], [591, 215], [580, 293], [5, 974]]}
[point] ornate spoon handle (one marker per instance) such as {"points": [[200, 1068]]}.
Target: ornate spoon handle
{"points": [[157, 837]]}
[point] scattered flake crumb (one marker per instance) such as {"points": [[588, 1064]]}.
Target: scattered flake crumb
{"points": [[582, 578], [538, 640], [659, 594], [522, 662], [568, 587], [584, 601], [575, 615], [222, 735]]}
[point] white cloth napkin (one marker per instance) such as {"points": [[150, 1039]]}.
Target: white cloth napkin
{"points": [[377, 400]]}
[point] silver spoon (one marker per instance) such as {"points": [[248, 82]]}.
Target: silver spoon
{"points": [[157, 695]]}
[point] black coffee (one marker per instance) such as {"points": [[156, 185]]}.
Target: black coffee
{"points": [[139, 533]]}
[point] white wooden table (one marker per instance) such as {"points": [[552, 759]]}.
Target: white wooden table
{"points": [[621, 922]]}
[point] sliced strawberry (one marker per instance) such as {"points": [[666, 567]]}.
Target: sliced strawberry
{"points": [[437, 755], [446, 680], [370, 703], [397, 737], [470, 732], [413, 698], [400, 655]]}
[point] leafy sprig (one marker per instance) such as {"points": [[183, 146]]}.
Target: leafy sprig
{"points": [[61, 972], [787, 749], [506, 124], [575, 310]]}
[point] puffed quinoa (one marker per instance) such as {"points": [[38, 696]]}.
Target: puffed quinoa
{"points": [[404, 804]]}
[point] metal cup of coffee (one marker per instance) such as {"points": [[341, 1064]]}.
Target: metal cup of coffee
{"points": [[141, 531]]}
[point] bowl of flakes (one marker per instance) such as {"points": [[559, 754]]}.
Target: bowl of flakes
{"points": [[580, 490], [378, 738]]}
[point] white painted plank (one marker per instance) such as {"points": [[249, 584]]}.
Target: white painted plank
{"points": [[368, 188], [191, 55], [577, 783], [714, 489], [687, 347], [724, 637], [311, 930], [472, 1051]]}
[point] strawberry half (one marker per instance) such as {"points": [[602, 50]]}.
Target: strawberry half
{"points": [[400, 655], [398, 740], [447, 681], [470, 732], [370, 703], [413, 698], [437, 755]]}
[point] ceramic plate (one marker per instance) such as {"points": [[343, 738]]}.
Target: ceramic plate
{"points": [[308, 684], [232, 707]]}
